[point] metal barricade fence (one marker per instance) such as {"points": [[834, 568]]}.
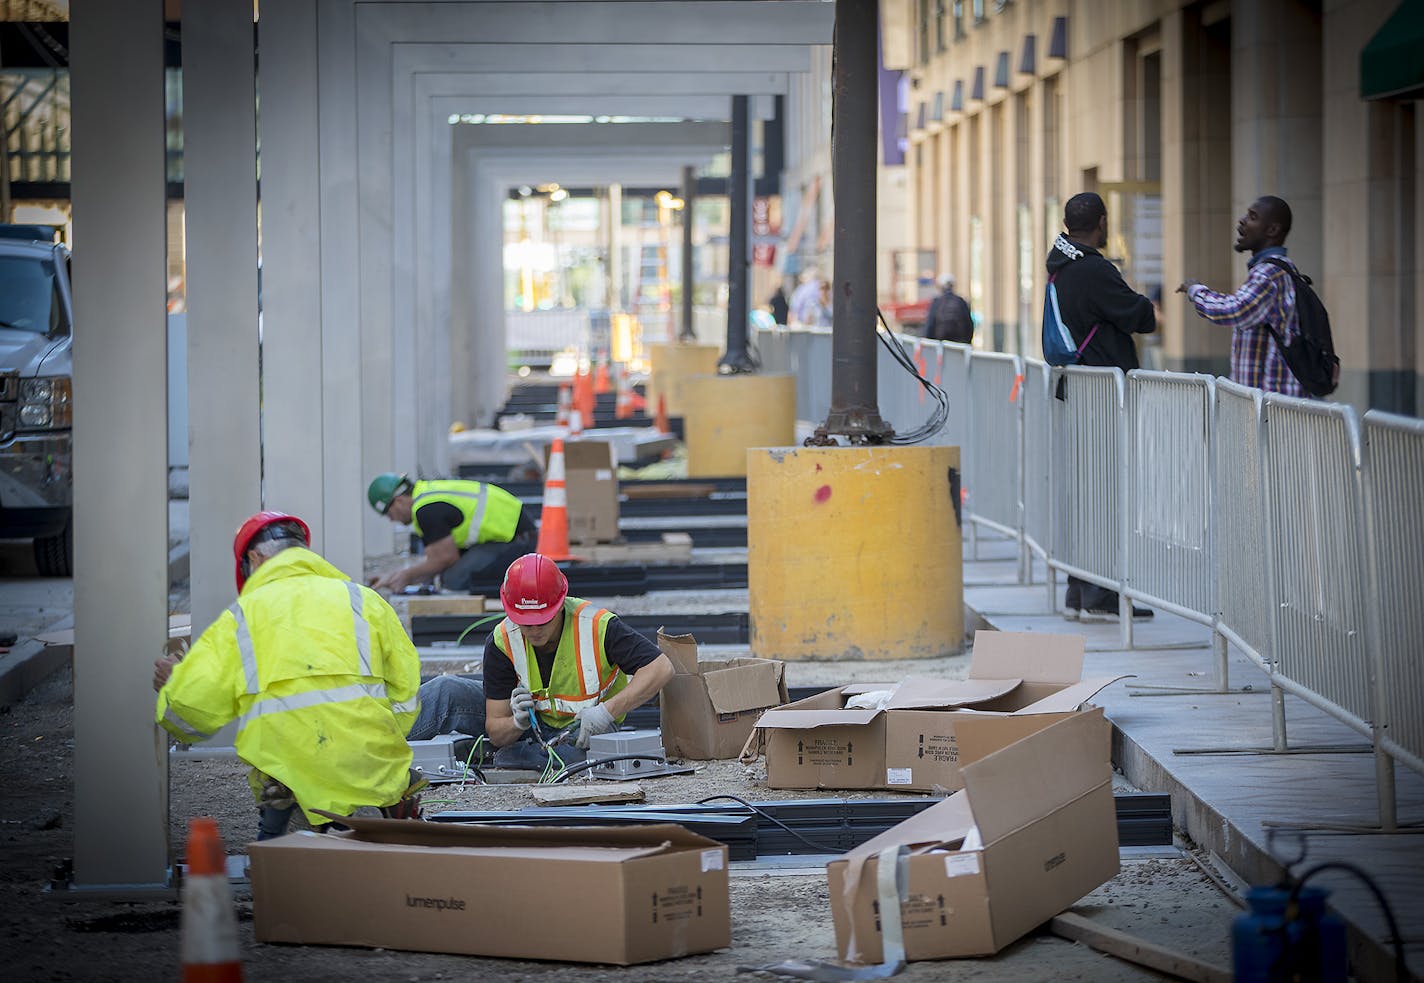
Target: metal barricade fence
{"points": [[954, 380], [1317, 553], [773, 349], [1392, 449], [1037, 424], [811, 364], [1087, 476], [1239, 503], [1170, 561], [993, 461]]}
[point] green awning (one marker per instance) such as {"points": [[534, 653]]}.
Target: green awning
{"points": [[1392, 64]]}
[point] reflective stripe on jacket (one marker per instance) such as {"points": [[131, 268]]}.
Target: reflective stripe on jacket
{"points": [[488, 513], [321, 678], [582, 674]]}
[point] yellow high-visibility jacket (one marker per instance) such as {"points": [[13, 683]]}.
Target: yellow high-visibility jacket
{"points": [[321, 677]]}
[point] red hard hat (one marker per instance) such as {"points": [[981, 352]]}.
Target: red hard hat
{"points": [[248, 532], [534, 589]]}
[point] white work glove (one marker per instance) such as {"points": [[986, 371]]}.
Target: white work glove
{"points": [[521, 701], [593, 720]]}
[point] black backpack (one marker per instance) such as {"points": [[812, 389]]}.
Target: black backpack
{"points": [[1311, 354]]}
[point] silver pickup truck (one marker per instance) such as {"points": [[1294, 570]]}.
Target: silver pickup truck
{"points": [[36, 448]]}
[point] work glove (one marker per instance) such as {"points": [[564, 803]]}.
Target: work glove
{"points": [[521, 701], [275, 795], [593, 720]]}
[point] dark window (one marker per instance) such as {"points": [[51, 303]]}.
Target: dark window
{"points": [[29, 295]]}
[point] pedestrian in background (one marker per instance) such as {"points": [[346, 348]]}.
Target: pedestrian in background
{"points": [[1103, 313], [949, 318], [779, 307], [801, 310], [1266, 299]]}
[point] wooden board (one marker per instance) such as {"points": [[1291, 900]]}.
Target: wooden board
{"points": [[1071, 925], [676, 547], [580, 794], [423, 604], [669, 490]]}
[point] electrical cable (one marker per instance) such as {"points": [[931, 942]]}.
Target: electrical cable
{"points": [[939, 414], [1401, 968], [819, 847], [582, 766], [475, 624]]}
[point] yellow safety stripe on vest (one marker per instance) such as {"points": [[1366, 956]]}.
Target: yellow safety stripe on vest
{"points": [[514, 642], [481, 501], [312, 698], [244, 648], [363, 630], [183, 727], [585, 650]]}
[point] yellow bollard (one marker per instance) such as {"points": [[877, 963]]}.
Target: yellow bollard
{"points": [[854, 552], [723, 415], [670, 364]]}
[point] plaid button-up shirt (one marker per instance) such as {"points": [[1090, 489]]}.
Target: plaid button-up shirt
{"points": [[1267, 297]]}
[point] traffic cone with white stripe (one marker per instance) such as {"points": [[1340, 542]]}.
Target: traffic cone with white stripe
{"points": [[554, 520], [210, 950], [623, 405], [661, 420], [566, 400], [600, 377]]}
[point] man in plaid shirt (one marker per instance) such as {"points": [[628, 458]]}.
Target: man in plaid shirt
{"points": [[1266, 298]]}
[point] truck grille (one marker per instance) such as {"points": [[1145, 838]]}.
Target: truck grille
{"points": [[9, 386], [7, 421]]}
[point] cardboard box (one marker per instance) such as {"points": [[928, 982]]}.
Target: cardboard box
{"points": [[911, 743], [496, 891], [1042, 812], [710, 708], [591, 477]]}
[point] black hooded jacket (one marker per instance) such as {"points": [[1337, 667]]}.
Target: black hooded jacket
{"points": [[1092, 291]]}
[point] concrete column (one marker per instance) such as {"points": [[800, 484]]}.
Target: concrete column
{"points": [[1362, 174], [1276, 117], [220, 195], [689, 198], [120, 404], [739, 242]]}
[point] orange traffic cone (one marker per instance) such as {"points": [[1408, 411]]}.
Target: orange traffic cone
{"points": [[583, 397], [600, 378], [661, 419], [575, 422], [554, 522], [210, 950], [922, 366], [623, 405], [566, 399]]}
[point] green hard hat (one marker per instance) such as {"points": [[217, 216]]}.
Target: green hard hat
{"points": [[384, 488]]}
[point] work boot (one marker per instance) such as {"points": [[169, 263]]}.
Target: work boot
{"points": [[1112, 614], [1072, 601]]}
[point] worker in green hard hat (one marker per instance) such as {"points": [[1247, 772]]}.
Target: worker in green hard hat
{"points": [[472, 530]]}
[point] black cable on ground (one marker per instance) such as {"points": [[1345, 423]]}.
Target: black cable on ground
{"points": [[582, 766], [819, 847], [1401, 968]]}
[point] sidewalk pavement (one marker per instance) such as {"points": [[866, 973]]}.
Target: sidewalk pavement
{"points": [[1223, 801]]}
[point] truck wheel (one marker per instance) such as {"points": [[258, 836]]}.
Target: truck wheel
{"points": [[54, 555]]}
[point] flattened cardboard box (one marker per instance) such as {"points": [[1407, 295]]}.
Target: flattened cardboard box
{"points": [[1042, 813], [660, 891], [591, 479], [710, 708], [911, 744]]}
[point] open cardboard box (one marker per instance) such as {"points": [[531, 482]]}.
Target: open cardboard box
{"points": [[911, 743], [709, 708], [1033, 830], [591, 481], [496, 891]]}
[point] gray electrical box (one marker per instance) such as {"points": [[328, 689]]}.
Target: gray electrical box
{"points": [[645, 742]]}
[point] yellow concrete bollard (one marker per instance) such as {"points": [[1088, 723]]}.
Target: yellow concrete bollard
{"points": [[671, 363], [854, 552], [723, 415]]}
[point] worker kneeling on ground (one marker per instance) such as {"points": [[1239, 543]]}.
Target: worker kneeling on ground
{"points": [[557, 670], [469, 528], [317, 671]]}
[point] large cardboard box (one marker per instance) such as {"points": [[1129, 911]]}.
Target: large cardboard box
{"points": [[591, 477], [496, 891], [1033, 830], [910, 744], [709, 708]]}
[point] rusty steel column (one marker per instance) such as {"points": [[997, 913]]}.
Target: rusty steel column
{"points": [[689, 195], [736, 358], [854, 412]]}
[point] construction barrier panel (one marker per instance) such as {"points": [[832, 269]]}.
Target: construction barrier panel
{"points": [[993, 458], [1239, 506], [1087, 490]]}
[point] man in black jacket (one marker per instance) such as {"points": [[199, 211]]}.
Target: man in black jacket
{"points": [[949, 318], [1103, 313]]}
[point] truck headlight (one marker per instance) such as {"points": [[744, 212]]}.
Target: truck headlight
{"points": [[44, 403]]}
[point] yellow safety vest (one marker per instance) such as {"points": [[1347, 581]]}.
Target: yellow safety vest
{"points": [[582, 674], [321, 678], [490, 512]]}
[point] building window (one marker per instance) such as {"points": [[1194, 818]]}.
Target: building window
{"points": [[978, 11], [940, 44], [923, 33], [957, 13]]}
